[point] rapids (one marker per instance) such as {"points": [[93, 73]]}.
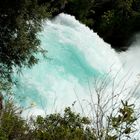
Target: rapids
{"points": [[76, 57]]}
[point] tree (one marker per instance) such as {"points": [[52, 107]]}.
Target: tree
{"points": [[117, 21], [66, 126], [69, 126], [20, 21]]}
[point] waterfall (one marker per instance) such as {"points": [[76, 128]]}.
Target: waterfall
{"points": [[76, 57]]}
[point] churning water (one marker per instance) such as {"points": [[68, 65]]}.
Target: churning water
{"points": [[76, 57]]}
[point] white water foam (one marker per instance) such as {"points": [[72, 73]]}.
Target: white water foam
{"points": [[76, 57]]}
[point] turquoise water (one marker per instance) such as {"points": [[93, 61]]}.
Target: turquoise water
{"points": [[76, 56]]}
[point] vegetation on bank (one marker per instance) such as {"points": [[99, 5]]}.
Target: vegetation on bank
{"points": [[68, 125], [20, 20]]}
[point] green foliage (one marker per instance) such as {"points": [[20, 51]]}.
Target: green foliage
{"points": [[117, 21], [108, 19], [20, 20], [66, 126], [122, 124], [12, 126], [69, 126]]}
